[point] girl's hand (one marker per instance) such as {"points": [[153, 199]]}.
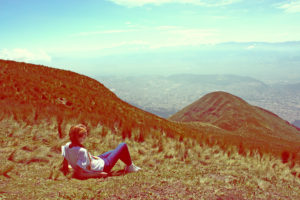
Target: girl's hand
{"points": [[95, 157], [103, 174], [82, 174]]}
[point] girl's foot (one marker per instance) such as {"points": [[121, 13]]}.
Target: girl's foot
{"points": [[132, 168]]}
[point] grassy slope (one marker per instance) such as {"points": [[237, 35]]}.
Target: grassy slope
{"points": [[179, 161], [172, 169], [32, 93]]}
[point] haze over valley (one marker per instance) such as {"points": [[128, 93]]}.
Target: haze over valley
{"points": [[165, 95]]}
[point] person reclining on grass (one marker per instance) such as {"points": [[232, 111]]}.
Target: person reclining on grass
{"points": [[88, 166]]}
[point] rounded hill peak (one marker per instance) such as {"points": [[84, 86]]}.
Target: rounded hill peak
{"points": [[221, 95], [232, 113], [215, 108]]}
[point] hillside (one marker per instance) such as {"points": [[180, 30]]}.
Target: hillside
{"points": [[193, 160], [37, 94], [233, 114], [32, 94]]}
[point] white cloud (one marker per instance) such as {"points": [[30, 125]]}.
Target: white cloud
{"points": [[103, 49], [143, 37], [180, 36], [24, 55], [167, 28], [167, 36], [137, 44], [207, 3], [91, 33], [250, 47], [290, 7]]}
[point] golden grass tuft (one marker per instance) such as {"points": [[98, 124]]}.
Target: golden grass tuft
{"points": [[172, 168]]}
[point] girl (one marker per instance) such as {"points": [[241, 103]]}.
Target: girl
{"points": [[88, 166]]}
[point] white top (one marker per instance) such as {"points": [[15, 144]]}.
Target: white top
{"points": [[80, 156]]}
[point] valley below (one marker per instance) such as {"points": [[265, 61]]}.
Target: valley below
{"points": [[165, 95]]}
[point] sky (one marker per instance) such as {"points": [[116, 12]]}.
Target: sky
{"points": [[107, 37]]}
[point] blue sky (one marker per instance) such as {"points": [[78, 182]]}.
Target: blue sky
{"points": [[148, 36]]}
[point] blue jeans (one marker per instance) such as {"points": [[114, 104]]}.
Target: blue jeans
{"points": [[111, 157]]}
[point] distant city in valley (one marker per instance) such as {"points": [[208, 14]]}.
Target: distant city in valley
{"points": [[165, 95]]}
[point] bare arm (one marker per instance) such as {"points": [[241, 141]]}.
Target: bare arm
{"points": [[64, 168]]}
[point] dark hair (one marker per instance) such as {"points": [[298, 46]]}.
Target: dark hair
{"points": [[75, 133]]}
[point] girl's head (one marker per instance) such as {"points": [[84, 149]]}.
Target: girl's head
{"points": [[77, 134]]}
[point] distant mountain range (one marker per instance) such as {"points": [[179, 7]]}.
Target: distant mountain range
{"points": [[165, 95], [296, 123], [266, 61]]}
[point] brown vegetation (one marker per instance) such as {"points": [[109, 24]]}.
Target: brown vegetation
{"points": [[172, 169], [191, 160]]}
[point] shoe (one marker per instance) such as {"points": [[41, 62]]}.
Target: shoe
{"points": [[132, 168]]}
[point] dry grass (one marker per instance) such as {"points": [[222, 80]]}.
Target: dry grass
{"points": [[172, 168]]}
